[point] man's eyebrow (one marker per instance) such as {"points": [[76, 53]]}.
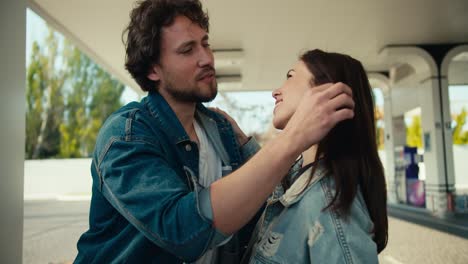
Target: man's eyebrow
{"points": [[186, 44]]}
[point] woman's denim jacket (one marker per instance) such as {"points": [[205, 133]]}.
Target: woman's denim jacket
{"points": [[295, 229], [147, 205]]}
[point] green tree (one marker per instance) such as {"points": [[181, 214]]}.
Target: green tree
{"points": [[76, 96], [44, 102], [68, 98], [379, 127], [92, 95], [34, 95], [414, 133], [460, 137], [105, 99]]}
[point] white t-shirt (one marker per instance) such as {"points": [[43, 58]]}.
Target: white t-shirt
{"points": [[210, 170], [209, 165]]}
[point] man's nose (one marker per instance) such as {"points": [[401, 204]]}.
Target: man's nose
{"points": [[206, 58]]}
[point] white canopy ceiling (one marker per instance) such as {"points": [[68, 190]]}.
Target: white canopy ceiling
{"points": [[272, 33]]}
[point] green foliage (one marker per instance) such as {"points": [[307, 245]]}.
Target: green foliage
{"points": [[34, 95], [414, 133], [460, 137], [68, 98], [380, 137], [379, 127], [44, 100]]}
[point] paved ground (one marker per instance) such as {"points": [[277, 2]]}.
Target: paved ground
{"points": [[51, 229], [411, 243]]}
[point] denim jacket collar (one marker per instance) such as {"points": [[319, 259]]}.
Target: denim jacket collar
{"points": [[296, 191], [216, 126], [162, 111]]}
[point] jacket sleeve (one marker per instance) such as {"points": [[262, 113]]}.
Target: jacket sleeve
{"points": [[249, 149], [136, 179]]}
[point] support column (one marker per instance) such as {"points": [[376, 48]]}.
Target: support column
{"points": [[12, 133], [420, 68], [459, 196], [381, 80], [440, 180], [389, 150]]}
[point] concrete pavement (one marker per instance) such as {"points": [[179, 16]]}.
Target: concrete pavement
{"points": [[52, 228]]}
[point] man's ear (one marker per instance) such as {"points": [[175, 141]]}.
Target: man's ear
{"points": [[154, 73]]}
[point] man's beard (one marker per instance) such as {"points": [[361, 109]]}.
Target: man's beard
{"points": [[191, 95]]}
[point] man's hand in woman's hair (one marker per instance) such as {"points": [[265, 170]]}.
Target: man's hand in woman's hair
{"points": [[321, 108]]}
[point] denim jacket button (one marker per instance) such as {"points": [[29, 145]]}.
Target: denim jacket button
{"points": [[188, 147]]}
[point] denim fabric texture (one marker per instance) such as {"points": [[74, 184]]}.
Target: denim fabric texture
{"points": [[147, 205], [295, 229]]}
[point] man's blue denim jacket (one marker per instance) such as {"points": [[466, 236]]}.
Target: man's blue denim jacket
{"points": [[147, 205], [295, 229]]}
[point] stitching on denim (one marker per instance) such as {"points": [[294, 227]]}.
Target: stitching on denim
{"points": [[106, 149], [134, 220], [96, 167], [196, 192], [144, 140], [157, 238], [163, 124], [182, 139], [128, 125], [339, 228], [128, 129], [153, 113], [116, 139], [144, 227]]}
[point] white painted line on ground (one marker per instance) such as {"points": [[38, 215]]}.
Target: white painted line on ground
{"points": [[391, 260], [67, 198], [55, 197], [40, 197]]}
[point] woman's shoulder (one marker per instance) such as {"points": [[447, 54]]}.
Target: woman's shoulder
{"points": [[306, 196]]}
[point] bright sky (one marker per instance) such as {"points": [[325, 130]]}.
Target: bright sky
{"points": [[35, 31]]}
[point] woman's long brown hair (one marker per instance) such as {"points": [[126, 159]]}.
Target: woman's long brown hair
{"points": [[349, 151]]}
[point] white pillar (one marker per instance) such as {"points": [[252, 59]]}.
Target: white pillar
{"points": [[378, 80], [459, 76], [429, 90], [12, 133], [440, 180], [389, 149]]}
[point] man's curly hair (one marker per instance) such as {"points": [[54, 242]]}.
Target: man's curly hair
{"points": [[143, 42]]}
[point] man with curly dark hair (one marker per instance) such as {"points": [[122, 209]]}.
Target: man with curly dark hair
{"points": [[174, 181]]}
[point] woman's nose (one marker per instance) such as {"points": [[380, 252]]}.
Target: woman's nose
{"points": [[275, 93]]}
